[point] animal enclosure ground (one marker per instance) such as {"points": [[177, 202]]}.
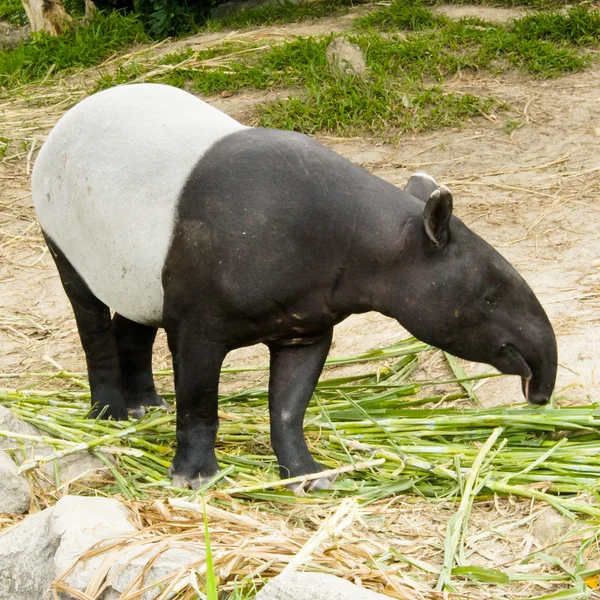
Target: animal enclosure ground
{"points": [[526, 178]]}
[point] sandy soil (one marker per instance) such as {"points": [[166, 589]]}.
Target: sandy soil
{"points": [[531, 193]]}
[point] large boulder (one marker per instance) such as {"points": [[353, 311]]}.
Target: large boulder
{"points": [[314, 586], [46, 544], [51, 544]]}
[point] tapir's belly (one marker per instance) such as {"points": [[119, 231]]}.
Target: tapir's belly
{"points": [[106, 184]]}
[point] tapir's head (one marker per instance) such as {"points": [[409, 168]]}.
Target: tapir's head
{"points": [[461, 295]]}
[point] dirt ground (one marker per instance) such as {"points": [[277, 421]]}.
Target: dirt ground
{"points": [[526, 179]]}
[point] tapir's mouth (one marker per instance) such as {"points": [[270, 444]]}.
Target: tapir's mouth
{"points": [[511, 362]]}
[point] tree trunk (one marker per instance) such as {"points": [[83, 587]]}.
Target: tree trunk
{"points": [[90, 9], [46, 15]]}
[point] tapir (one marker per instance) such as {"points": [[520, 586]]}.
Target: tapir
{"points": [[163, 209]]}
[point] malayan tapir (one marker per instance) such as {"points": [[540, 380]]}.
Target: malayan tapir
{"points": [[162, 208]]}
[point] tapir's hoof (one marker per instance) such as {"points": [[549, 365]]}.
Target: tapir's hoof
{"points": [[136, 404], [185, 482], [314, 485], [118, 412], [136, 413]]}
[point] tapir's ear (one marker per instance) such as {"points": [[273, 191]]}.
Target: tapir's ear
{"points": [[421, 185], [436, 216]]}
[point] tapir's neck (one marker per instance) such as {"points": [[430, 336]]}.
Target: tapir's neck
{"points": [[386, 232]]}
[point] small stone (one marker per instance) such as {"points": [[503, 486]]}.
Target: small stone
{"points": [[74, 467], [345, 58], [549, 526], [314, 586], [15, 494], [596, 131]]}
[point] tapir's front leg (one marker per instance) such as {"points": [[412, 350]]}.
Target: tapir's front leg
{"points": [[197, 364], [294, 374]]}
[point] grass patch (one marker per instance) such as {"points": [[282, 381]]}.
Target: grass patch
{"points": [[391, 97], [545, 44], [402, 88], [409, 15], [580, 26], [285, 12], [80, 46], [13, 12], [534, 4]]}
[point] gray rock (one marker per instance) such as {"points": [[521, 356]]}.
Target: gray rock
{"points": [[26, 558], [15, 494], [43, 546], [549, 526], [49, 544], [314, 586], [345, 58], [128, 565], [8, 422], [70, 468]]}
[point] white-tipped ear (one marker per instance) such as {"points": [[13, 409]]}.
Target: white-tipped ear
{"points": [[421, 186], [436, 216]]}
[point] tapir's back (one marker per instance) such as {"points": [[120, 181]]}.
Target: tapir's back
{"points": [[106, 183]]}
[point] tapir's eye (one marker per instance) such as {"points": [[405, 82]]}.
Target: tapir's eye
{"points": [[490, 301]]}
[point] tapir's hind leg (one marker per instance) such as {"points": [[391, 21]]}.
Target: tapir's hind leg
{"points": [[294, 374], [134, 344], [97, 339]]}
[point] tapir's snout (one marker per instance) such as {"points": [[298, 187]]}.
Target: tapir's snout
{"points": [[542, 361], [537, 398]]}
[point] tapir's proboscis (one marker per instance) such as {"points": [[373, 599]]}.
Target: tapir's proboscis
{"points": [[167, 211]]}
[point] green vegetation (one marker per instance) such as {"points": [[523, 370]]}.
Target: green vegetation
{"points": [[409, 15], [81, 46], [12, 11], [426, 450], [545, 43], [286, 12], [401, 89]]}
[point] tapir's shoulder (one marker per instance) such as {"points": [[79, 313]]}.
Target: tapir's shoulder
{"points": [[288, 152]]}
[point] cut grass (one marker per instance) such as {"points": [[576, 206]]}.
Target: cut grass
{"points": [[373, 415], [81, 46]]}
